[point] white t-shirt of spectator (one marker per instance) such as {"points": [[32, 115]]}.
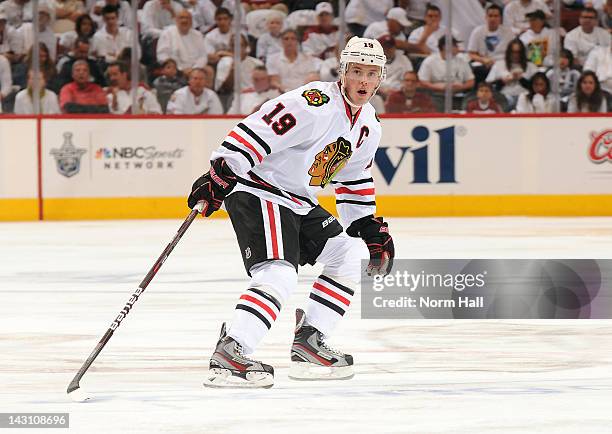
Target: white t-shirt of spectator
{"points": [[380, 28], [365, 12], [155, 18], [12, 40], [217, 41], [24, 105], [433, 69], [572, 106], [47, 37], [396, 70], [538, 104], [18, 13], [512, 89], [432, 40], [416, 9], [6, 78], [204, 15], [581, 43], [539, 46], [567, 80], [466, 15], [490, 44], [125, 14], [147, 102], [268, 45], [292, 74], [318, 43], [514, 14], [251, 101], [186, 50], [328, 70], [108, 46], [183, 102], [600, 62], [224, 68]]}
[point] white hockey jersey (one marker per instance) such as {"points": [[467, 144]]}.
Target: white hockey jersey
{"points": [[292, 147]]}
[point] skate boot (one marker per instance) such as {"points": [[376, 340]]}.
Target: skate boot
{"points": [[312, 359], [229, 368]]}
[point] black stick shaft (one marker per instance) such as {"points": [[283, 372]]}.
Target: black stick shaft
{"points": [[74, 384]]}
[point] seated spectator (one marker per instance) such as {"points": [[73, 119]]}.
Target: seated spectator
{"points": [[218, 40], [195, 98], [588, 98], [10, 40], [182, 43], [424, 39], [397, 65], [488, 42], [169, 81], [539, 98], [328, 69], [45, 33], [204, 15], [539, 40], [123, 7], [24, 101], [125, 56], [19, 11], [515, 13], [408, 99], [600, 62], [252, 98], [586, 36], [321, 40], [120, 95], [157, 15], [81, 95], [484, 102], [291, 68], [568, 76], [512, 74], [68, 10], [415, 10], [256, 18], [6, 79], [359, 14], [270, 42], [224, 80], [46, 64], [108, 42], [605, 16], [79, 52], [84, 29], [395, 25], [432, 73]]}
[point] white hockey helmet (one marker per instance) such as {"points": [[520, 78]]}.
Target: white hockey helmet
{"points": [[365, 52]]}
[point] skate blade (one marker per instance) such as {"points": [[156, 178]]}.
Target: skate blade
{"points": [[223, 379], [304, 371]]}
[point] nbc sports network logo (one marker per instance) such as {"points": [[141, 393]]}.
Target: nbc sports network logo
{"points": [[68, 157]]}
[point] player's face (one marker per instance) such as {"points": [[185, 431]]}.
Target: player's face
{"points": [[360, 82]]}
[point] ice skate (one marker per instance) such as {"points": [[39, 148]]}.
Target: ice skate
{"points": [[229, 368], [312, 359]]}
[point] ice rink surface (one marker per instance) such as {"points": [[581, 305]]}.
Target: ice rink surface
{"points": [[61, 285]]}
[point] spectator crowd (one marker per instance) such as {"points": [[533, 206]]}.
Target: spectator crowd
{"points": [[501, 54]]}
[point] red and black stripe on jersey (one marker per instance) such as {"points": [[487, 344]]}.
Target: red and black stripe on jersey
{"points": [[355, 192], [248, 144], [261, 304], [260, 184], [331, 294]]}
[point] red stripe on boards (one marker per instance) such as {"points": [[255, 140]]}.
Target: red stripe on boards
{"points": [[260, 304]]}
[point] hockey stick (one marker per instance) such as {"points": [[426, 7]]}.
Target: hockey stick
{"points": [[74, 391]]}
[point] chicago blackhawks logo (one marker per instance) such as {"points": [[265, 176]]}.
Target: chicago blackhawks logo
{"points": [[329, 162], [315, 97]]}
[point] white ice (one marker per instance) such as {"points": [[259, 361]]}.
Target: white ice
{"points": [[61, 285]]}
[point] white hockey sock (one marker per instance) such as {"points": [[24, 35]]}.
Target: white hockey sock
{"points": [[329, 300]]}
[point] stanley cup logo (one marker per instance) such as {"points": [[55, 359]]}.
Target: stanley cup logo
{"points": [[68, 157]]}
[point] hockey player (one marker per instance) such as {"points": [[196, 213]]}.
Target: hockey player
{"points": [[267, 172]]}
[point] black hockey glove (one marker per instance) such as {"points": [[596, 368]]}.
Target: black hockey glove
{"points": [[213, 186], [375, 232]]}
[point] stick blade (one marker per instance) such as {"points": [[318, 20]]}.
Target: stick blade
{"points": [[78, 395]]}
